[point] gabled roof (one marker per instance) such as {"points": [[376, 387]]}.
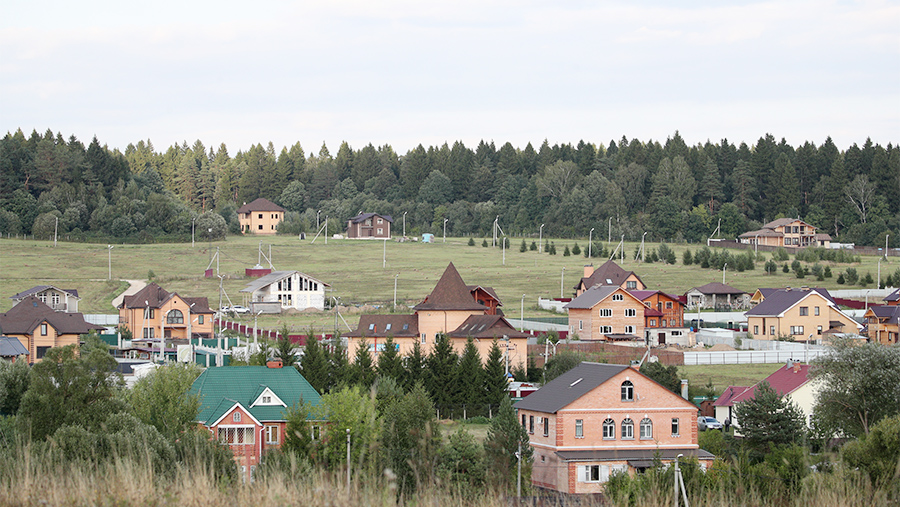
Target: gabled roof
{"points": [[10, 346], [221, 388], [570, 386], [779, 222], [717, 288], [275, 277], [382, 326], [365, 216], [489, 290], [893, 296], [644, 295], [780, 301], [450, 293], [30, 312], [593, 296], [42, 288], [260, 205], [762, 233], [727, 397], [783, 381], [889, 312], [766, 292], [153, 294], [608, 273], [486, 327]]}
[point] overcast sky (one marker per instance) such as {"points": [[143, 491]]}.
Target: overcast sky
{"points": [[409, 72]]}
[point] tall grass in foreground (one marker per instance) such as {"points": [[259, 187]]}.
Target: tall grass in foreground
{"points": [[32, 476]]}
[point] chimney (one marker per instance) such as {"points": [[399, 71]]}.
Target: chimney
{"points": [[796, 366], [684, 389], [274, 363], [588, 270], [804, 288]]}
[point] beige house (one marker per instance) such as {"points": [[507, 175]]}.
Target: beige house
{"points": [[153, 312], [606, 312], [59, 300], [261, 216], [39, 328], [786, 232], [801, 314], [608, 273]]}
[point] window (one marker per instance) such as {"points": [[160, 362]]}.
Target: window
{"points": [[818, 329], [175, 317], [579, 428], [627, 429], [675, 431], [797, 330], [43, 329], [316, 431], [55, 300], [259, 227], [618, 297], [149, 333], [755, 329], [260, 216], [41, 351], [546, 427], [267, 399], [629, 329], [236, 436], [606, 329], [816, 311], [371, 327], [664, 323], [772, 330], [609, 429], [380, 221], [646, 429], [380, 230], [523, 420], [531, 424], [200, 320], [606, 312], [630, 312], [631, 284], [627, 391], [652, 322], [236, 417], [387, 326], [804, 311], [592, 473], [271, 434], [668, 305], [152, 314], [580, 325], [424, 340]]}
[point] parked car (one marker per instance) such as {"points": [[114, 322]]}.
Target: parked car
{"points": [[708, 423], [234, 309]]}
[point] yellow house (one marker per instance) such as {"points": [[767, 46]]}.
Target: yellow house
{"points": [[39, 328], [261, 216], [883, 324], [787, 232], [453, 309], [153, 312], [802, 314]]}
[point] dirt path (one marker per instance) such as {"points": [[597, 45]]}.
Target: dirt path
{"points": [[136, 285]]}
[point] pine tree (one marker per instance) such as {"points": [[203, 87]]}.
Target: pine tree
{"points": [[494, 380], [471, 241], [576, 250], [389, 362], [414, 367], [523, 247], [314, 364], [552, 249], [767, 418], [468, 375], [363, 369], [441, 366], [504, 437], [340, 373]]}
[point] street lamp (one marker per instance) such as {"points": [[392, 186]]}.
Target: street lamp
{"points": [[562, 277], [609, 236], [522, 320], [317, 219], [404, 223], [590, 242], [643, 251], [541, 239], [109, 261], [445, 229], [55, 231], [209, 236], [723, 273], [192, 231], [395, 291]]}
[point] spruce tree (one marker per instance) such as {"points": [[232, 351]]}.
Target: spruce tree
{"points": [[441, 366], [389, 362], [341, 373], [314, 364], [414, 367], [503, 439], [576, 250], [523, 247], [533, 247], [494, 379], [566, 252], [363, 371], [468, 377]]}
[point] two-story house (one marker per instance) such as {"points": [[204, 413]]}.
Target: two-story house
{"points": [[802, 314], [154, 312], [453, 308], [245, 408], [597, 419], [261, 216], [663, 318], [39, 328], [283, 290], [883, 324], [606, 312], [60, 300], [786, 232], [369, 225], [608, 273]]}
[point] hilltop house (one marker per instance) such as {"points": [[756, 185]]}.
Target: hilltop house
{"points": [[609, 273], [786, 232], [261, 216], [606, 312], [453, 308], [60, 300], [282, 290], [802, 314], [369, 226], [153, 312], [245, 408], [38, 327], [597, 419]]}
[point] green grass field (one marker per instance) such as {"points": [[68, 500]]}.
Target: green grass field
{"points": [[724, 375], [354, 269]]}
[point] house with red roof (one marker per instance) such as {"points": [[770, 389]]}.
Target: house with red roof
{"points": [[791, 382]]}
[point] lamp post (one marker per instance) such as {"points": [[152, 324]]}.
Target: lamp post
{"points": [[723, 273], [192, 231], [317, 219], [404, 223], [886, 236], [590, 242], [609, 236], [445, 229], [55, 231], [562, 277], [541, 239], [384, 254], [395, 291], [643, 251], [109, 261], [522, 320], [162, 335], [255, 342]]}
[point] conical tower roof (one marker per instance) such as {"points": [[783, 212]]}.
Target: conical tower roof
{"points": [[450, 293]]}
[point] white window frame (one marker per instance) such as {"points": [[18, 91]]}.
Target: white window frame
{"points": [[629, 329], [630, 312], [646, 429], [579, 428], [618, 297], [609, 429], [676, 427], [605, 312], [627, 429], [272, 431]]}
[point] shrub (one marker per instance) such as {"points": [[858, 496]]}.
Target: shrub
{"points": [[471, 241], [686, 258], [576, 250]]}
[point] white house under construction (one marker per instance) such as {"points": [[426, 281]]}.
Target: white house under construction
{"points": [[282, 290]]}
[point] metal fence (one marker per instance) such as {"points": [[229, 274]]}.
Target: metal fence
{"points": [[750, 356]]}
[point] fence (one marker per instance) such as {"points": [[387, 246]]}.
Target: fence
{"points": [[267, 334], [857, 250], [607, 352], [750, 343], [750, 356]]}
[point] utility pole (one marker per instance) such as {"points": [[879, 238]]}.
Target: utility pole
{"points": [[519, 477], [348, 463], [562, 278], [522, 322], [590, 243], [541, 240]]}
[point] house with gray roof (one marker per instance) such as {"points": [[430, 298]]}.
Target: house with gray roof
{"points": [[285, 290], [60, 300]]}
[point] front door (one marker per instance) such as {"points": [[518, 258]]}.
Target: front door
{"points": [[662, 338]]}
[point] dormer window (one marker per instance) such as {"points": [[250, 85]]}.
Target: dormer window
{"points": [[627, 391], [387, 327], [618, 297], [371, 327], [405, 327]]}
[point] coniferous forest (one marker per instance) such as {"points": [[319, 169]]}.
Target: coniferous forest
{"points": [[670, 190]]}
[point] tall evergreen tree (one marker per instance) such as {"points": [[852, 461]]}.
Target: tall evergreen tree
{"points": [[441, 367], [469, 375], [363, 370], [786, 192], [314, 365], [503, 441], [389, 361], [414, 367], [494, 380]]}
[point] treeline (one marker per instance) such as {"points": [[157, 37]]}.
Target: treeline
{"points": [[670, 190]]}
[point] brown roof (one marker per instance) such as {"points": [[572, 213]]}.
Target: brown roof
{"points": [[382, 326], [260, 205], [27, 315], [450, 293], [609, 273], [718, 288], [486, 327], [155, 296]]}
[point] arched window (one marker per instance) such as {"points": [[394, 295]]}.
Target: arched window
{"points": [[175, 317], [646, 429], [609, 429], [627, 429], [627, 391]]}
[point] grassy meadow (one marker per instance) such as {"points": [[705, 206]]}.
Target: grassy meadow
{"points": [[359, 272]]}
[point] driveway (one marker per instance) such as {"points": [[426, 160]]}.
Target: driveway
{"points": [[134, 288]]}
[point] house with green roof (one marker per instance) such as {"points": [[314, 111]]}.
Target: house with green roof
{"points": [[246, 407]]}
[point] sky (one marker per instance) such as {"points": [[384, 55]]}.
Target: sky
{"points": [[408, 72]]}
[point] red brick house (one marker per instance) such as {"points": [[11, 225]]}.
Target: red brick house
{"points": [[597, 419], [663, 317], [369, 225], [608, 313]]}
